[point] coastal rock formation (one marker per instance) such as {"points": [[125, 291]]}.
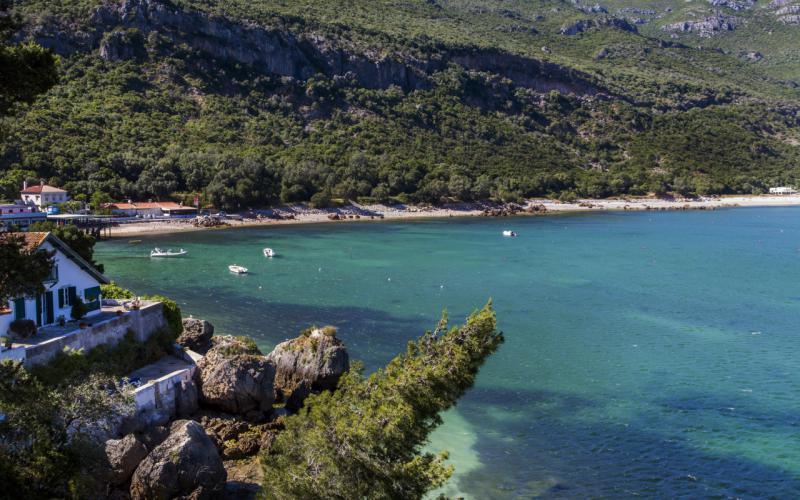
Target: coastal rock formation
{"points": [[235, 438], [317, 358], [235, 377], [185, 465], [123, 457], [196, 334]]}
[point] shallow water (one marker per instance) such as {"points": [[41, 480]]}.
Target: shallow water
{"points": [[647, 354]]}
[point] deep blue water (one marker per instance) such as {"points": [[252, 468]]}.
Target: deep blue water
{"points": [[647, 354]]}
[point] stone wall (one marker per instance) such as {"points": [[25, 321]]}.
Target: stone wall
{"points": [[161, 400]]}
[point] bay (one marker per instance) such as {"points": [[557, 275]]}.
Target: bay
{"points": [[646, 354]]}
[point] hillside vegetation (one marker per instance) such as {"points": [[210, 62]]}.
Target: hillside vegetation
{"points": [[255, 102]]}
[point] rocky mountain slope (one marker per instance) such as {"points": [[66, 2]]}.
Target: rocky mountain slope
{"points": [[251, 103]]}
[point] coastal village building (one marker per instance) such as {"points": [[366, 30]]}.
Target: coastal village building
{"points": [[42, 195], [150, 209], [19, 215], [71, 278], [782, 190]]}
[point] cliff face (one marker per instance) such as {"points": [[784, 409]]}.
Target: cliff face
{"points": [[277, 51]]}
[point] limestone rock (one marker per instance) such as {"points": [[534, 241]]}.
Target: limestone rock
{"points": [[235, 377], [186, 464], [196, 334], [318, 358], [123, 457]]}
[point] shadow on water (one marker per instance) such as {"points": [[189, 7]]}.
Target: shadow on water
{"points": [[536, 444], [371, 335]]}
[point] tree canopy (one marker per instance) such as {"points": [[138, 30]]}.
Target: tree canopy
{"points": [[22, 270], [364, 440]]}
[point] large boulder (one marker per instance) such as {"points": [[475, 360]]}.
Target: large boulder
{"points": [[123, 457], [314, 361], [236, 378], [196, 334], [186, 465]]}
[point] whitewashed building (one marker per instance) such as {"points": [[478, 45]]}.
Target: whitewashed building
{"points": [[71, 278], [42, 195], [782, 190]]}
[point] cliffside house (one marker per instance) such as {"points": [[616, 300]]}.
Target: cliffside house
{"points": [[42, 195], [150, 209], [71, 278], [19, 214], [782, 190]]}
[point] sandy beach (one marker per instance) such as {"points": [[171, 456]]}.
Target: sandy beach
{"points": [[300, 214]]}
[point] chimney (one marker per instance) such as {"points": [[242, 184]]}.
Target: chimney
{"points": [[41, 182], [24, 185]]}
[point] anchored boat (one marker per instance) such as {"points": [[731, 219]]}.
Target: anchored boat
{"points": [[157, 252], [268, 252], [510, 234], [237, 269]]}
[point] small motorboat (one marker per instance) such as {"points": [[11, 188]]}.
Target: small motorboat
{"points": [[237, 269], [134, 242], [510, 234], [157, 252], [268, 252]]}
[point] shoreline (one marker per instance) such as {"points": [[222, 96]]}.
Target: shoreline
{"points": [[300, 214]]}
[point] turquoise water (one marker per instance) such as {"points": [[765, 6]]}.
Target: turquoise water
{"points": [[647, 354]]}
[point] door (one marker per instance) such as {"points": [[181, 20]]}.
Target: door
{"points": [[19, 308], [48, 307]]}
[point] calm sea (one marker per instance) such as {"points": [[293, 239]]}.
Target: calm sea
{"points": [[647, 354]]}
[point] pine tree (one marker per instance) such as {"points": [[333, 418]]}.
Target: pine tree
{"points": [[364, 440]]}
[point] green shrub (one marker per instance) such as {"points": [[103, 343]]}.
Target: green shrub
{"points": [[172, 312], [79, 309], [114, 291]]}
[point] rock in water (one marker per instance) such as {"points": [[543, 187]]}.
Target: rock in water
{"points": [[318, 359], [196, 334], [235, 377], [185, 465], [123, 457]]}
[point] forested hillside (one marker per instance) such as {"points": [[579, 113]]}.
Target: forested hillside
{"points": [[253, 102]]}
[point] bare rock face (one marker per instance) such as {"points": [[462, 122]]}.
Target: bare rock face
{"points": [[196, 334], [236, 378], [313, 361], [123, 457], [185, 465]]}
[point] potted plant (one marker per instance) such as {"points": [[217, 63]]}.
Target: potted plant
{"points": [[62, 320], [78, 310]]}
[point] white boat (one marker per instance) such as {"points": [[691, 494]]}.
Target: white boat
{"points": [[510, 234], [237, 269], [268, 252], [157, 252]]}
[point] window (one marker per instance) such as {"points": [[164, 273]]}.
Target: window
{"points": [[53, 276]]}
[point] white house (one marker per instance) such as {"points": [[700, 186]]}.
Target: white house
{"points": [[42, 195], [72, 277], [150, 209], [782, 190]]}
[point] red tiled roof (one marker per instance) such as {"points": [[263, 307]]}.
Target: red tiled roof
{"points": [[42, 189], [31, 241]]}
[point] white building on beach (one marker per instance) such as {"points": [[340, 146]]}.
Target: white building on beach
{"points": [[782, 190], [71, 278]]}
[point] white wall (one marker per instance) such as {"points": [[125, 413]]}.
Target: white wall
{"points": [[69, 274]]}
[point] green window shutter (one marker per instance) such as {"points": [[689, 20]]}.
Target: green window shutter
{"points": [[19, 308], [72, 295], [38, 310], [60, 298], [92, 296]]}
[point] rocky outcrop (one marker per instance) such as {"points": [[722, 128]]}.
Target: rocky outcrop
{"points": [[185, 465], [116, 29], [707, 27], [585, 24], [123, 457], [235, 438], [317, 358], [196, 334], [235, 377]]}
